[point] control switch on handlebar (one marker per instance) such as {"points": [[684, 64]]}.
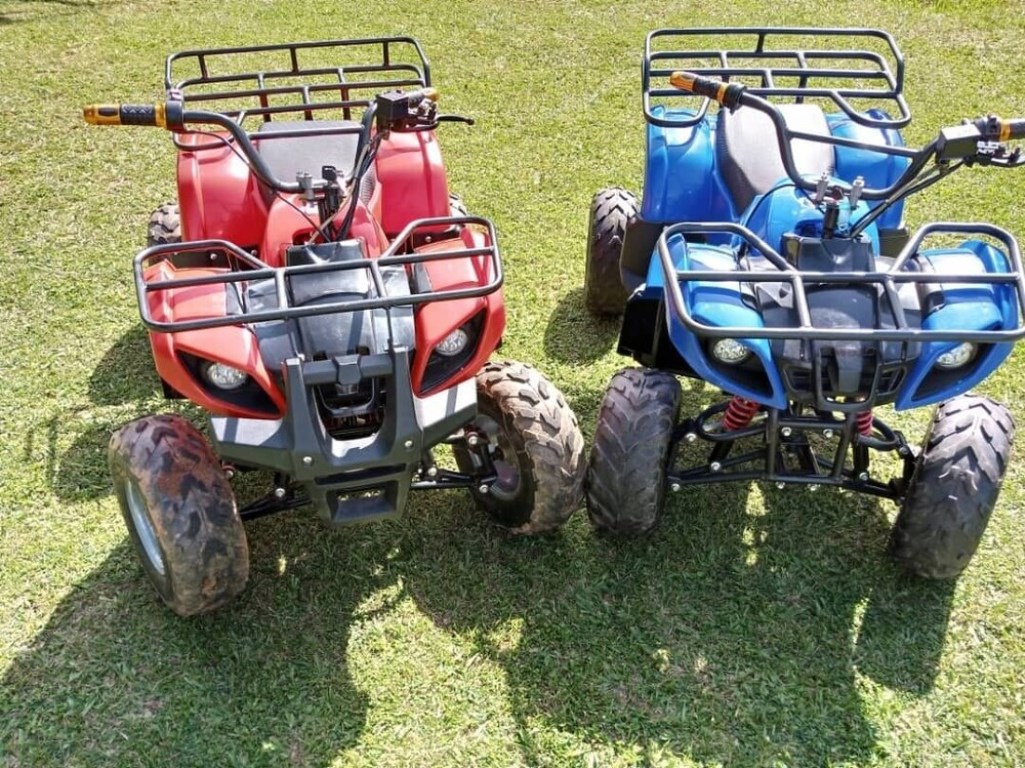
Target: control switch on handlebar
{"points": [[958, 142], [398, 110]]}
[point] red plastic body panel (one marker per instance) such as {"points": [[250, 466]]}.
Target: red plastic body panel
{"points": [[218, 196], [411, 179], [235, 345], [286, 226], [438, 319]]}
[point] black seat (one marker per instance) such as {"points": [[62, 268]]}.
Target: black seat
{"points": [[748, 151], [287, 156]]}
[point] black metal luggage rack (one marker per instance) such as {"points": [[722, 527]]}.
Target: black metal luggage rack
{"points": [[791, 64], [799, 281], [334, 79], [243, 267]]}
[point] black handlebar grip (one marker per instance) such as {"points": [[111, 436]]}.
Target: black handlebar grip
{"points": [[126, 114], [421, 94], [992, 128], [1012, 129], [138, 114], [727, 94]]}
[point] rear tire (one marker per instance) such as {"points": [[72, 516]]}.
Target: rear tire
{"points": [[626, 477], [536, 446], [954, 488], [164, 226], [180, 512], [611, 211]]}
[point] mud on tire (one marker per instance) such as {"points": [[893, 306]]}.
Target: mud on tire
{"points": [[954, 487], [164, 226], [626, 475], [180, 512], [611, 211], [536, 446]]}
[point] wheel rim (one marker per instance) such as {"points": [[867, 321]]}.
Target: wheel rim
{"points": [[508, 481], [144, 527]]}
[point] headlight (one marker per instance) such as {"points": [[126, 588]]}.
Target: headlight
{"points": [[957, 357], [730, 351], [223, 376], [453, 352], [453, 344]]}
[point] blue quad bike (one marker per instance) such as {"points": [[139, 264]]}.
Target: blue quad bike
{"points": [[769, 258]]}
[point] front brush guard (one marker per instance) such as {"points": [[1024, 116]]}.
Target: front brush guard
{"points": [[780, 271], [785, 272], [242, 267]]}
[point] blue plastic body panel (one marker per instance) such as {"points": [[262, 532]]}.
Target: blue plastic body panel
{"points": [[877, 169], [717, 304], [682, 180], [964, 307], [978, 307], [788, 210]]}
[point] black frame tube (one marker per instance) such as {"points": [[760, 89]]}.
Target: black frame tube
{"points": [[259, 270]]}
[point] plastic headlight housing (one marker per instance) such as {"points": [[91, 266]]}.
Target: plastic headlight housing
{"points": [[223, 376], [730, 351], [454, 343], [453, 352], [958, 357]]}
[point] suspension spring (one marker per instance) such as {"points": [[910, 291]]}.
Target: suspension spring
{"points": [[739, 413], [864, 422]]}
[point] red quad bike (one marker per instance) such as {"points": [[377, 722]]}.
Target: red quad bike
{"points": [[318, 292]]}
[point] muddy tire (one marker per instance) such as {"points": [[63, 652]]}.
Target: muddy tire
{"points": [[180, 512], [626, 475], [611, 211], [536, 447], [164, 226], [954, 488]]}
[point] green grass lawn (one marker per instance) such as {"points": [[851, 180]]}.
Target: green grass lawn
{"points": [[755, 627]]}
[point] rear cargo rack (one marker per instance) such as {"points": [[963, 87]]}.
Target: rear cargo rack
{"points": [[243, 267], [319, 80], [793, 64], [799, 280]]}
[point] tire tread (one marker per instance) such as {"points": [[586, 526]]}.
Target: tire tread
{"points": [[954, 488]]}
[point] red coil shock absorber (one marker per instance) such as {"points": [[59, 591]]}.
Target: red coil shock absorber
{"points": [[739, 413], [864, 422]]}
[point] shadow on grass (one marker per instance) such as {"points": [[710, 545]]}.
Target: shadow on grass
{"points": [[573, 336], [125, 373], [124, 376], [117, 679], [32, 10], [724, 637]]}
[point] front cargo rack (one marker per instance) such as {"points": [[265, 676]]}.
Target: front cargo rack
{"points": [[859, 71], [242, 267]]}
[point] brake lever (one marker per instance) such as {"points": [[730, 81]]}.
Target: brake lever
{"points": [[455, 119]]}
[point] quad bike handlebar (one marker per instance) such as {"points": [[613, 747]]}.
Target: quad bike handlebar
{"points": [[402, 113], [978, 141]]}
